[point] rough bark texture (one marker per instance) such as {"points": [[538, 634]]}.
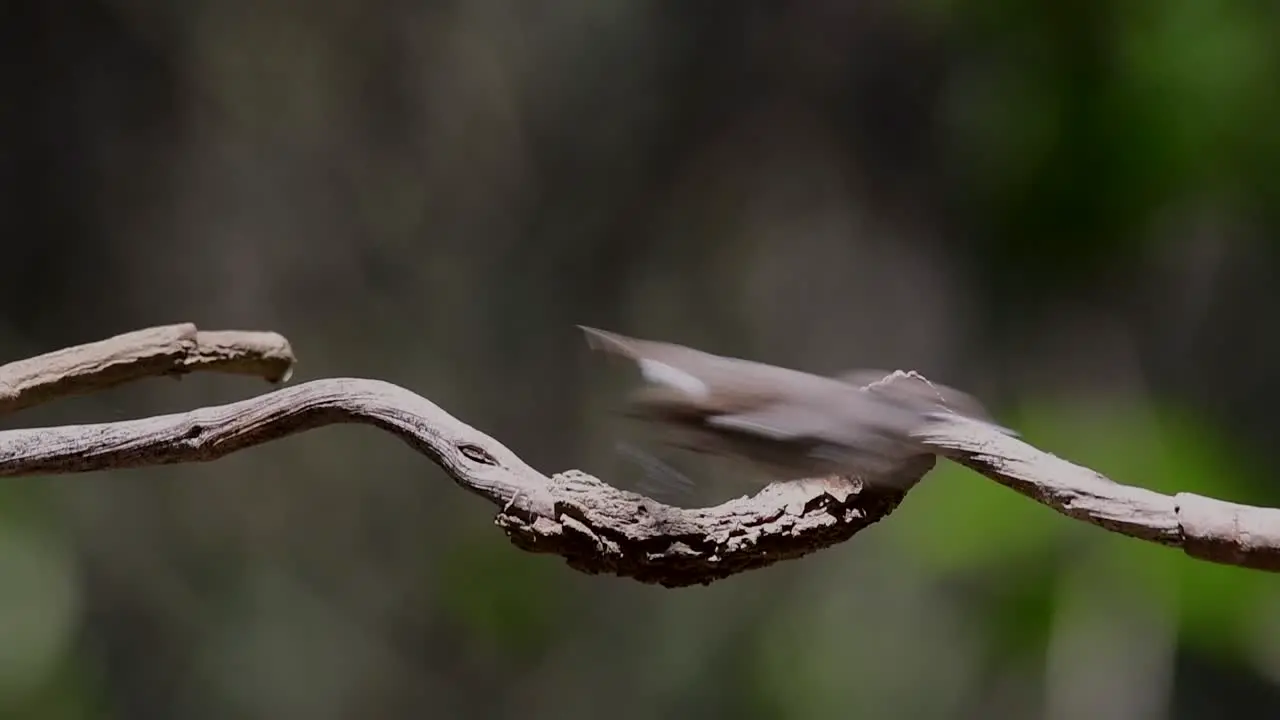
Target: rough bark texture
{"points": [[596, 527]]}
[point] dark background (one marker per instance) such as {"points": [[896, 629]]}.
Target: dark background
{"points": [[1068, 209]]}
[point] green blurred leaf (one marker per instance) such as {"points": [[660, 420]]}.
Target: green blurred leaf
{"points": [[1188, 72], [956, 520]]}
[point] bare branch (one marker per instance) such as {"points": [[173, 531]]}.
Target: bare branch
{"points": [[165, 350], [596, 527], [1204, 528]]}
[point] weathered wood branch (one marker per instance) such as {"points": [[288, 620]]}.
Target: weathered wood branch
{"points": [[165, 350], [1205, 528], [595, 526]]}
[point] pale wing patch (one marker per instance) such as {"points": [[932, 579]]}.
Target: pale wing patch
{"points": [[746, 423], [776, 422], [664, 374]]}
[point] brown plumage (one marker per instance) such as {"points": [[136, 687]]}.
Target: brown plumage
{"points": [[790, 424]]}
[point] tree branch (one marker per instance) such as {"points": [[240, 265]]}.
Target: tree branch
{"points": [[1205, 528], [165, 350], [596, 527]]}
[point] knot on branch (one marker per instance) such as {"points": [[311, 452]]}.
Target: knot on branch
{"points": [[600, 529]]}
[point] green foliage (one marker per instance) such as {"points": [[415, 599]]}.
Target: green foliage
{"points": [[1077, 125]]}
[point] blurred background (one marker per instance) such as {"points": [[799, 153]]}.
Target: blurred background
{"points": [[1068, 209]]}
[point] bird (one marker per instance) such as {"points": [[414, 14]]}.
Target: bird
{"points": [[788, 424]]}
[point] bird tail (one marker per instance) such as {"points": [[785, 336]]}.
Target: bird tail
{"points": [[605, 341]]}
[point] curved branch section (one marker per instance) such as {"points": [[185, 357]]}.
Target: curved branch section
{"points": [[1204, 528], [598, 528]]}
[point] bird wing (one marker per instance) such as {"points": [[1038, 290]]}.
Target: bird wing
{"points": [[914, 389], [833, 418], [670, 370], [862, 377], [773, 422]]}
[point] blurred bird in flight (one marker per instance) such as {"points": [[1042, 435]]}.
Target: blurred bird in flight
{"points": [[788, 424]]}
